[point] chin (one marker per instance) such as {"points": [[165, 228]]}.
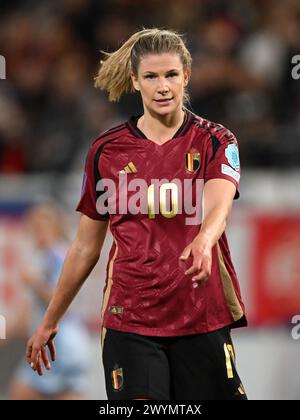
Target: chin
{"points": [[165, 110]]}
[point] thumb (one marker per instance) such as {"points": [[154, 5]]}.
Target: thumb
{"points": [[186, 253]]}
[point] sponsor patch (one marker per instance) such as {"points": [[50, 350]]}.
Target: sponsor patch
{"points": [[227, 170]]}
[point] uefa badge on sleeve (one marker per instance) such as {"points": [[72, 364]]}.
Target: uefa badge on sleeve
{"points": [[192, 161], [232, 155]]}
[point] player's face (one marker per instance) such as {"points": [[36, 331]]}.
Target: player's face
{"points": [[161, 81]]}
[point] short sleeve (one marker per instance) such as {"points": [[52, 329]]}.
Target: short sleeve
{"points": [[222, 160], [88, 200]]}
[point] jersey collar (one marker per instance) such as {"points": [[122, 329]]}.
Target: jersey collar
{"points": [[188, 119]]}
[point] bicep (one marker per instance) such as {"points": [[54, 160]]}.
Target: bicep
{"points": [[218, 193]]}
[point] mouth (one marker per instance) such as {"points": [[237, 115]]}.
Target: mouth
{"points": [[163, 101]]}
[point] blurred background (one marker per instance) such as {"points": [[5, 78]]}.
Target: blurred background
{"points": [[49, 115]]}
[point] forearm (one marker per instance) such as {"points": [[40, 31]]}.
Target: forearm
{"points": [[214, 224], [218, 197], [78, 264]]}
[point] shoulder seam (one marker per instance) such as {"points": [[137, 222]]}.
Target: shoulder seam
{"points": [[188, 125], [217, 130], [97, 175], [99, 150], [110, 132]]}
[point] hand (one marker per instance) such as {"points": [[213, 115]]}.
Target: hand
{"points": [[36, 353], [200, 250]]}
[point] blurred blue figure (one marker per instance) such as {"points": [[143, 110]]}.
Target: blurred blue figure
{"points": [[68, 376]]}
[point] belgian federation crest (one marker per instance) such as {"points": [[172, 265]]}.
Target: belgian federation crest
{"points": [[192, 161], [117, 378]]}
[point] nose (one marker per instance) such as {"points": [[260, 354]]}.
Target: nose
{"points": [[163, 87]]}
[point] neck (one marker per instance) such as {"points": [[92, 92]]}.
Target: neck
{"points": [[160, 127]]}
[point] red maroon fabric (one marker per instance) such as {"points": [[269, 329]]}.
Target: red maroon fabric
{"points": [[146, 290]]}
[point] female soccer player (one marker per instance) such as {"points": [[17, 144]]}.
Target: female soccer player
{"points": [[165, 181]]}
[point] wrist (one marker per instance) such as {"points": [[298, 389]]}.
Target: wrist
{"points": [[48, 323], [204, 239]]}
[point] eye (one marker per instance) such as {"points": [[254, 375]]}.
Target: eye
{"points": [[173, 74], [149, 76]]}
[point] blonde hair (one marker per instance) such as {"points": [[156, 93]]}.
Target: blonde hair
{"points": [[114, 72]]}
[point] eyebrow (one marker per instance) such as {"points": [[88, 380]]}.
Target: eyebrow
{"points": [[152, 72]]}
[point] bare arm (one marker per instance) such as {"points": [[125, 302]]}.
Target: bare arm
{"points": [[218, 197], [79, 262]]}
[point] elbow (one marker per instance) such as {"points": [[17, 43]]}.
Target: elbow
{"points": [[86, 251]]}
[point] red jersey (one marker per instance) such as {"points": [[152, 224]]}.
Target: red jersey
{"points": [[146, 290]]}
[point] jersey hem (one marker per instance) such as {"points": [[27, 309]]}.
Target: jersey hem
{"points": [[163, 332]]}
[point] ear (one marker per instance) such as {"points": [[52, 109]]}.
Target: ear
{"points": [[135, 82], [187, 75]]}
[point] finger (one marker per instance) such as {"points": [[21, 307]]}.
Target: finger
{"points": [[34, 357], [197, 263], [186, 253], [45, 358], [200, 278], [193, 269], [206, 264], [205, 271], [33, 364], [52, 350], [28, 353], [39, 365]]}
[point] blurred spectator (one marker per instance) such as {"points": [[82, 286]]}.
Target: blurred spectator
{"points": [[12, 129], [39, 273]]}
